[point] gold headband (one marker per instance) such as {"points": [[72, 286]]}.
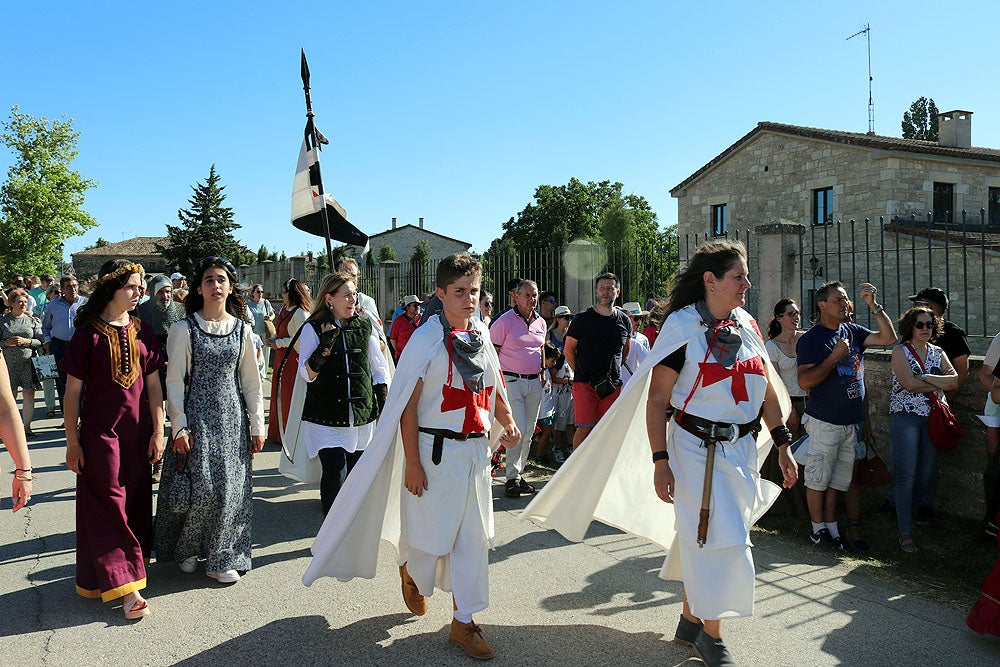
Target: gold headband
{"points": [[118, 273]]}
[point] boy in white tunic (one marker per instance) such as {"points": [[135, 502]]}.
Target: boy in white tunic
{"points": [[447, 516]]}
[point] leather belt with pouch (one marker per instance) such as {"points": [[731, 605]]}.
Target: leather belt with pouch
{"points": [[707, 430]]}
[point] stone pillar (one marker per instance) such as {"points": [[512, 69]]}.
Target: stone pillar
{"points": [[778, 273], [389, 285], [583, 261]]}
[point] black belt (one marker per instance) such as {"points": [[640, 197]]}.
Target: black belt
{"points": [[442, 434], [60, 340], [707, 430], [523, 376]]}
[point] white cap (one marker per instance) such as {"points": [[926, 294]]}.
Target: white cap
{"points": [[634, 309], [176, 275]]}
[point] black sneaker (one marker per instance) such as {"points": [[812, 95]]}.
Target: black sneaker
{"points": [[512, 489], [821, 537], [840, 544]]}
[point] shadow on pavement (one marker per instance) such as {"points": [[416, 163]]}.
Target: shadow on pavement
{"points": [[309, 640]]}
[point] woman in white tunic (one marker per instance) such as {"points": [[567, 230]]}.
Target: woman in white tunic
{"points": [[341, 360], [719, 380]]}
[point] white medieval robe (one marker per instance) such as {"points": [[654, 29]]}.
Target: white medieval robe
{"points": [[610, 476]]}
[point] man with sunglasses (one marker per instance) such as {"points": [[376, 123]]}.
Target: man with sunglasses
{"points": [[831, 368]]}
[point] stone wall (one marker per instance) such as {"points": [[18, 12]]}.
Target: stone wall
{"points": [[404, 240], [960, 491]]}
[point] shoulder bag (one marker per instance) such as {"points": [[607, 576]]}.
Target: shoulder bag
{"points": [[942, 424]]}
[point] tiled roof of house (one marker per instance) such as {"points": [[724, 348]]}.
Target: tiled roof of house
{"points": [[878, 142], [140, 246]]}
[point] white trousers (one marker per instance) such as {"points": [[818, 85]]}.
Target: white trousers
{"points": [[524, 397], [448, 518]]}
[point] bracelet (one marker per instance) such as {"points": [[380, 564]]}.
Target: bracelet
{"points": [[22, 469], [181, 432], [781, 435], [661, 456], [880, 309], [23, 478]]}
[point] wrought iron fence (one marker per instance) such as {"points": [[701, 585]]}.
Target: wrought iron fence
{"points": [[903, 255]]}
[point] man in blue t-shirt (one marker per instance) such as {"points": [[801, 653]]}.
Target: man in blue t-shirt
{"points": [[832, 369]]}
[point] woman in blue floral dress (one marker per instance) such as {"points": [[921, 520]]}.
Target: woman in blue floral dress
{"points": [[216, 412]]}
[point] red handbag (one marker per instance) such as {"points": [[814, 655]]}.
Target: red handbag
{"points": [[942, 425], [872, 470]]}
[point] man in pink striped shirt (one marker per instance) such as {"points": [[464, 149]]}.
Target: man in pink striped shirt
{"points": [[519, 335]]}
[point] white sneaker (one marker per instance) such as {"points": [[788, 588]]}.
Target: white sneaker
{"points": [[189, 565], [225, 576]]}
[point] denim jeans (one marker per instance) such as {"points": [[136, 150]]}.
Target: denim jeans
{"points": [[914, 463]]}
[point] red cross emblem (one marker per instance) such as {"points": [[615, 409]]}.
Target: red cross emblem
{"points": [[454, 398], [712, 373]]}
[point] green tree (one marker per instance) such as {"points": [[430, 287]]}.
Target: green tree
{"points": [[41, 201], [386, 253], [99, 243], [262, 254], [206, 228], [921, 121]]}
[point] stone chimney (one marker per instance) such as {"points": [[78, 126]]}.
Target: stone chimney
{"points": [[394, 223], [420, 223], [955, 129]]}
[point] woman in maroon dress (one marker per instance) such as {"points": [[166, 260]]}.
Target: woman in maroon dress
{"points": [[114, 429], [298, 305]]}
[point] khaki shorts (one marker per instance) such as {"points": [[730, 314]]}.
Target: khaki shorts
{"points": [[830, 461]]}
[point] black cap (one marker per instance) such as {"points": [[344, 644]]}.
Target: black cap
{"points": [[932, 294]]}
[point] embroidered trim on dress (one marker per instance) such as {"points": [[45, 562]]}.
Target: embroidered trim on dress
{"points": [[124, 364]]}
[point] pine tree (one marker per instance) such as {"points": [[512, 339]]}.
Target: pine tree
{"points": [[206, 229]]}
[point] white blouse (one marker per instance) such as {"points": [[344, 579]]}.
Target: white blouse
{"points": [[788, 368]]}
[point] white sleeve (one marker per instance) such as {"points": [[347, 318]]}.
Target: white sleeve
{"points": [[178, 366], [376, 359], [308, 342], [250, 385], [993, 354]]}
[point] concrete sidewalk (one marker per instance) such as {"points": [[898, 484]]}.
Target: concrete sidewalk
{"points": [[553, 602]]}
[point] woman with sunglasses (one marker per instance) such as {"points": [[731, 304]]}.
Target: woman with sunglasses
{"points": [[113, 411], [918, 368], [217, 421], [298, 303], [262, 312], [783, 335]]}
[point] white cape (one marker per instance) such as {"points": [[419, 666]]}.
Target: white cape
{"points": [[609, 478], [367, 509]]}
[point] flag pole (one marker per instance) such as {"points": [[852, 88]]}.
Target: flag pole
{"points": [[315, 143]]}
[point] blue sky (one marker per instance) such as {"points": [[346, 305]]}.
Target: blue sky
{"points": [[456, 111]]}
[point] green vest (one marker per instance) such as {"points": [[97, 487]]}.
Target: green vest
{"points": [[334, 389]]}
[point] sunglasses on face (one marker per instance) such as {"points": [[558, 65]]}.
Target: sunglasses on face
{"points": [[488, 304], [565, 317], [258, 291], [923, 325]]}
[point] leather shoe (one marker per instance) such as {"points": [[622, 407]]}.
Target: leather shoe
{"points": [[469, 638], [712, 651], [524, 487], [687, 632], [512, 489], [415, 602]]}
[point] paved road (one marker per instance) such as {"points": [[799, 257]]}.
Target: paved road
{"points": [[553, 602]]}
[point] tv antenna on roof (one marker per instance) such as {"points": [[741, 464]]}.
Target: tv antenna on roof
{"points": [[867, 32]]}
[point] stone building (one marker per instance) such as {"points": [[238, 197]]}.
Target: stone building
{"points": [[806, 184], [140, 249], [404, 239]]}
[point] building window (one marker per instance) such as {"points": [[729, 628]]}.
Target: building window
{"points": [[993, 207], [823, 206], [720, 221], [944, 202]]}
